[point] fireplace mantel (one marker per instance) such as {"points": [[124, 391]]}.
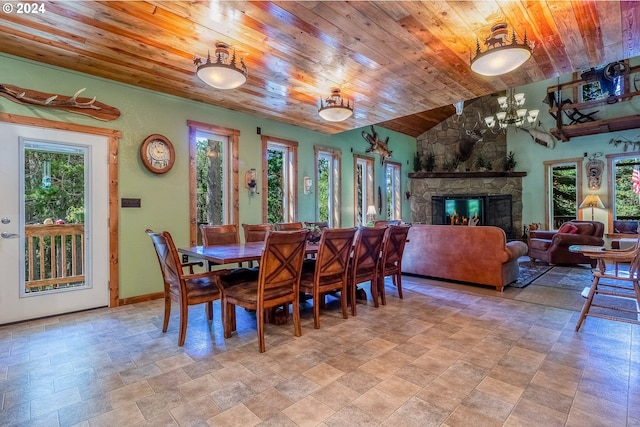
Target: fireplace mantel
{"points": [[462, 175]]}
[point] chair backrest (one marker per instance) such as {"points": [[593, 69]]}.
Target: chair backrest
{"points": [[281, 261], [382, 223], [256, 232], [366, 253], [590, 228], [289, 226], [219, 234], [395, 237], [334, 251], [168, 258], [320, 224]]}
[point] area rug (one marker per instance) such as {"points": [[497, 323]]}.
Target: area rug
{"points": [[529, 271], [561, 287]]}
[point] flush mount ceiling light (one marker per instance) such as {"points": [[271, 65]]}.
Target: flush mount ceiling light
{"points": [[501, 55], [335, 108], [223, 73]]}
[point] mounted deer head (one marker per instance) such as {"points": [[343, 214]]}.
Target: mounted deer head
{"points": [[376, 145], [467, 141]]}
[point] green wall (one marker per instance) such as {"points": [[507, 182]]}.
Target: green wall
{"points": [[530, 155], [165, 198]]}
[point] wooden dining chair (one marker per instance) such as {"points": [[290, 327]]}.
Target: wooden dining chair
{"points": [[212, 235], [390, 264], [328, 272], [364, 263], [613, 284], [256, 232], [277, 283], [288, 226], [184, 289]]}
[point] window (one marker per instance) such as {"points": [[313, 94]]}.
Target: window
{"points": [[364, 196], [393, 199], [328, 185], [563, 185], [279, 177], [624, 203], [213, 176]]}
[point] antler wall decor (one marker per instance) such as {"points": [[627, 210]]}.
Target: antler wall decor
{"points": [[376, 145], [85, 106]]}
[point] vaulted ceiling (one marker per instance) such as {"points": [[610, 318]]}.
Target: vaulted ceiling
{"points": [[403, 62]]}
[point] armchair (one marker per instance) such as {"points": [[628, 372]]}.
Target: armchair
{"points": [[553, 246]]}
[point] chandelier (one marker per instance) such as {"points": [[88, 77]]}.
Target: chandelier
{"points": [[335, 108], [223, 73], [501, 56], [512, 112]]}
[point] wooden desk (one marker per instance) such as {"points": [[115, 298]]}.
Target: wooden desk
{"points": [[230, 254]]}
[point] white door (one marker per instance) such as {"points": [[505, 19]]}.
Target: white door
{"points": [[54, 237]]}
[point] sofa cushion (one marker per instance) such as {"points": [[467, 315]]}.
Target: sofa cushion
{"points": [[569, 228], [540, 244]]}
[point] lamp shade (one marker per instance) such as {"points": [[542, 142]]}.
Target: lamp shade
{"points": [[371, 210], [592, 201]]}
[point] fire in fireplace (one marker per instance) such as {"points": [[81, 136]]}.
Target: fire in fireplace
{"points": [[464, 211], [482, 209]]}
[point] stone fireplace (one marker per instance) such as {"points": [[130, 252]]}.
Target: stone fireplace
{"points": [[501, 190], [478, 209]]}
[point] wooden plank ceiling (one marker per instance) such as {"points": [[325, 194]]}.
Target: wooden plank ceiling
{"points": [[404, 63]]}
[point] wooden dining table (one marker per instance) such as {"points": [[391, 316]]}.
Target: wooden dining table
{"points": [[230, 254]]}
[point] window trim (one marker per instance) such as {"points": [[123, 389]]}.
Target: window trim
{"points": [[548, 164], [292, 146], [336, 158], [234, 139], [610, 200], [398, 166], [371, 198]]}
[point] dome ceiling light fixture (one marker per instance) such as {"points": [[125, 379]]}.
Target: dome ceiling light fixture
{"points": [[335, 108], [224, 72], [501, 55]]}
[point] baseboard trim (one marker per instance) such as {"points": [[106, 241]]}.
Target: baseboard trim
{"points": [[141, 298]]}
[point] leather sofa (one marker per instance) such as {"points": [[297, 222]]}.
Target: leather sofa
{"points": [[553, 246], [478, 254]]}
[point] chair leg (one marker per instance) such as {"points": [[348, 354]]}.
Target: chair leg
{"points": [[260, 324], [382, 291], [398, 283], [343, 302], [167, 313], [184, 318], [317, 297], [374, 292], [296, 314], [587, 303], [352, 293]]}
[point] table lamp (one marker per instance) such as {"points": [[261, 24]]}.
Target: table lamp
{"points": [[371, 212], [591, 201]]}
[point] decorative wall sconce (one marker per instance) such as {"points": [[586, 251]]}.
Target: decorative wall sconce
{"points": [[307, 183], [250, 181], [595, 167]]}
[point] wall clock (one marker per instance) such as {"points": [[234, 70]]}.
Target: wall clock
{"points": [[157, 154]]}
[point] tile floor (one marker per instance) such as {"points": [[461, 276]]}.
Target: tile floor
{"points": [[446, 355]]}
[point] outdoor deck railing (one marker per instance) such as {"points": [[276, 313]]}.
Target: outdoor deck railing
{"points": [[54, 256]]}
